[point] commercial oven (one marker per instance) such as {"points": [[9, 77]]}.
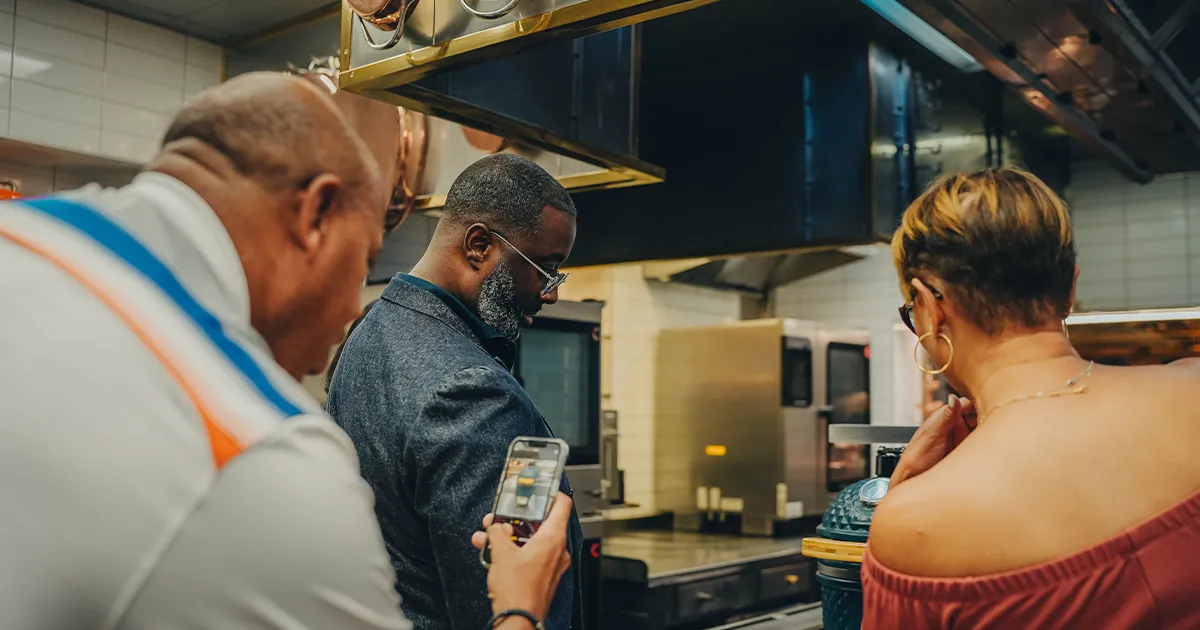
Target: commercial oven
{"points": [[558, 364], [742, 420]]}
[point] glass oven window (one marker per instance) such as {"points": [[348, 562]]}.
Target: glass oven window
{"points": [[848, 389], [797, 372], [558, 364]]}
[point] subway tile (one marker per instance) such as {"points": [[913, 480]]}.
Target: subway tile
{"points": [[146, 66], [54, 133], [1166, 247], [1159, 293], [71, 16], [142, 123], [8, 6], [1158, 209], [126, 147], [54, 103], [1098, 214], [1101, 235], [146, 37], [1097, 257], [1195, 291], [196, 81], [1156, 229], [1160, 188], [131, 91], [4, 122], [8, 25], [59, 43], [203, 55], [57, 73], [1157, 269]]}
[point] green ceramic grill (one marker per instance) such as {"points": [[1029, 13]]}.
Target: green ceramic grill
{"points": [[841, 540]]}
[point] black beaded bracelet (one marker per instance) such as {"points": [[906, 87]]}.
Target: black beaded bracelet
{"points": [[515, 612]]}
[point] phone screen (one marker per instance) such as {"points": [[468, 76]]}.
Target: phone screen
{"points": [[529, 485]]}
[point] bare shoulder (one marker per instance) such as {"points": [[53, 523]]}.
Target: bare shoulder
{"points": [[947, 522], [1191, 364], [913, 528]]}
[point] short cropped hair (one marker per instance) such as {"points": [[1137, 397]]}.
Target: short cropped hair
{"points": [[1000, 239], [276, 131], [507, 193]]}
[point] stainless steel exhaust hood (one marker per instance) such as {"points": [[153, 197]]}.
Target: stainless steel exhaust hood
{"points": [[557, 75], [1122, 76], [758, 274]]}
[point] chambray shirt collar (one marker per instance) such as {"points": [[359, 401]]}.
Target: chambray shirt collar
{"points": [[492, 340]]}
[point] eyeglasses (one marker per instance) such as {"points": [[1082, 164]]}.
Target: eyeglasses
{"points": [[553, 280], [906, 311]]}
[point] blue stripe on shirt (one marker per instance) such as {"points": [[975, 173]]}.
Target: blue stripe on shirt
{"points": [[125, 246]]}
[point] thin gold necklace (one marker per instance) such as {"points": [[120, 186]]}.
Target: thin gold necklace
{"points": [[1070, 388]]}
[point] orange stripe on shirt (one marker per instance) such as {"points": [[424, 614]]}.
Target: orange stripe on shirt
{"points": [[223, 444]]}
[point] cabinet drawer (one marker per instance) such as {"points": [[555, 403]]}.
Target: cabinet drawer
{"points": [[726, 594], [785, 581]]}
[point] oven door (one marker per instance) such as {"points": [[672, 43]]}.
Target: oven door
{"points": [[558, 364], [848, 386]]}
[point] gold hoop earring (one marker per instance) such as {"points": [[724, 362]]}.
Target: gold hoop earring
{"points": [[917, 359]]}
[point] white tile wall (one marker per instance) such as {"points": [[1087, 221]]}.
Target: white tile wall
{"points": [[863, 294], [39, 180], [1139, 245], [77, 78]]}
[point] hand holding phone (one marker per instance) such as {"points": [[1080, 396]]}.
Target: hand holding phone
{"points": [[529, 481], [527, 577]]}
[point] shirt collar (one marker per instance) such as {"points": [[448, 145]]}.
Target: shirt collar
{"points": [[192, 216], [493, 341]]}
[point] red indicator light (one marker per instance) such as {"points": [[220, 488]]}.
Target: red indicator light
{"points": [[867, 352], [596, 550]]}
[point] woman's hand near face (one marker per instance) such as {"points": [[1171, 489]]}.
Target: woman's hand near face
{"points": [[941, 432]]}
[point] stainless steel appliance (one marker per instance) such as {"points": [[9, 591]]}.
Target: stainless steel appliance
{"points": [[558, 364], [742, 422]]}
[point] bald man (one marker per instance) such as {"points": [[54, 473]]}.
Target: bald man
{"points": [[159, 463]]}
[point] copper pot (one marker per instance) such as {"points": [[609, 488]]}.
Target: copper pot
{"points": [[484, 141], [384, 15], [397, 139], [411, 156]]}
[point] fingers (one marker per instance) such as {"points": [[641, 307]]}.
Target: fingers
{"points": [[560, 514], [487, 520], [478, 539], [499, 538]]}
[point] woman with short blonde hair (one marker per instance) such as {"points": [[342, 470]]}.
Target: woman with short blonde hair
{"points": [[1055, 493]]}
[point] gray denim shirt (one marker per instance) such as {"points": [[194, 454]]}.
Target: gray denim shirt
{"points": [[425, 391]]}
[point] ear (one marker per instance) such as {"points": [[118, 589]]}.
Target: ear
{"points": [[930, 312], [478, 245], [312, 210]]}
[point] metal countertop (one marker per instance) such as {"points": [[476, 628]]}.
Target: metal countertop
{"points": [[668, 553]]}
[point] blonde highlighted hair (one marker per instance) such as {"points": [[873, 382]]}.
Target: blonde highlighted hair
{"points": [[999, 240]]}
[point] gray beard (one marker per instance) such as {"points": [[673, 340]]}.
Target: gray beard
{"points": [[498, 305]]}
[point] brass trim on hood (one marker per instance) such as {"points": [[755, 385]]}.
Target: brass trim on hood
{"points": [[575, 20], [619, 170]]}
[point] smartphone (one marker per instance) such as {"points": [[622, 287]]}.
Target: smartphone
{"points": [[529, 482]]}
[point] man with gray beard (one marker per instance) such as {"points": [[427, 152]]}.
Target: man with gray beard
{"points": [[424, 386]]}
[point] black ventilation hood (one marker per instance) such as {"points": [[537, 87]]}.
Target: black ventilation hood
{"points": [[796, 128], [1122, 76]]}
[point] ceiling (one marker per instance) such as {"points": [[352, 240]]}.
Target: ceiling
{"points": [[225, 22]]}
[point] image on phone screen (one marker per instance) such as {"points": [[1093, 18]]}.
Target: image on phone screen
{"points": [[528, 486]]}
